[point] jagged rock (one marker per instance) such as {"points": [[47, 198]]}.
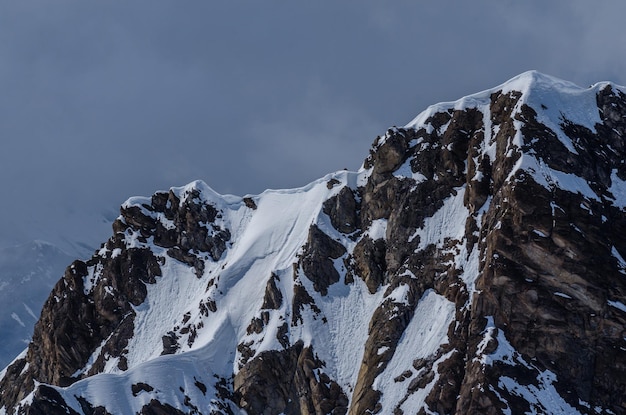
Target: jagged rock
{"points": [[387, 325], [192, 228], [332, 183], [47, 400], [154, 407], [317, 259], [342, 210], [141, 387], [89, 409], [301, 297], [170, 343], [290, 382], [369, 262], [273, 298], [250, 203], [390, 154], [281, 335], [61, 345]]}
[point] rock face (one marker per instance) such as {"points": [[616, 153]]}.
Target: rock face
{"points": [[28, 272], [475, 264]]}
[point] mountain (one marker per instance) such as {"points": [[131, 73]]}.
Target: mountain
{"points": [[474, 264], [29, 271]]}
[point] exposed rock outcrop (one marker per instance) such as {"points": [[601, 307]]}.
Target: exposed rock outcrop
{"points": [[317, 259], [292, 381]]}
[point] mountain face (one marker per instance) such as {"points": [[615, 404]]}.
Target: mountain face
{"points": [[474, 264], [30, 267], [27, 274]]}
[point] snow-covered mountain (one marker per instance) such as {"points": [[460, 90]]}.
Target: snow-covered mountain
{"points": [[27, 274], [29, 270], [474, 264]]}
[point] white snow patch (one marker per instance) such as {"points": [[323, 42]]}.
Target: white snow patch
{"points": [[405, 171], [504, 353], [447, 222], [382, 350], [400, 294], [340, 342], [543, 399], [167, 223], [618, 190], [620, 260], [111, 364], [551, 179], [418, 398], [91, 279], [618, 305], [167, 300], [551, 97], [559, 294], [378, 229]]}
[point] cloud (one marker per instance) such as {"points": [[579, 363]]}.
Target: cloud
{"points": [[102, 101], [319, 134]]}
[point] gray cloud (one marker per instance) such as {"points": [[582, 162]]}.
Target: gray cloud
{"points": [[105, 100]]}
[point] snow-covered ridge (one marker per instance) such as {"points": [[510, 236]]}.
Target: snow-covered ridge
{"points": [[266, 241], [538, 90], [382, 289]]}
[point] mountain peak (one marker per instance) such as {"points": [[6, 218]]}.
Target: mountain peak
{"points": [[474, 264], [542, 92], [535, 80]]}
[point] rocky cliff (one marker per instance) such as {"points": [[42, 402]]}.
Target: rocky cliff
{"points": [[27, 273], [474, 264]]}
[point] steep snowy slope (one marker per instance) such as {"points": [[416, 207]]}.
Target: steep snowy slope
{"points": [[474, 264]]}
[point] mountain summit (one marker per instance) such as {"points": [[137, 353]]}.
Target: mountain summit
{"points": [[474, 264]]}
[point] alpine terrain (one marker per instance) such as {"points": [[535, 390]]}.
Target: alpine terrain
{"points": [[30, 268], [475, 264], [27, 274]]}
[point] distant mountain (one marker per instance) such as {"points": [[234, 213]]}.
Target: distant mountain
{"points": [[29, 270], [27, 274], [474, 264]]}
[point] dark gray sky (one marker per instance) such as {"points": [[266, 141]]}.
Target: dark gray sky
{"points": [[104, 100]]}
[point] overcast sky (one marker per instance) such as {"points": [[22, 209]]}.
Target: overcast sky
{"points": [[105, 100]]}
